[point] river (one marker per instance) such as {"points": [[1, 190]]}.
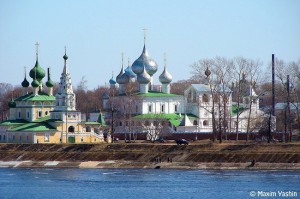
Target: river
{"points": [[146, 183]]}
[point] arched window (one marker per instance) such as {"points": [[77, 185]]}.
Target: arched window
{"points": [[88, 129], [205, 123], [205, 98], [195, 122], [71, 129]]}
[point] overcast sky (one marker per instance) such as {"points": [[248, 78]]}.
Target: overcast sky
{"points": [[97, 32]]}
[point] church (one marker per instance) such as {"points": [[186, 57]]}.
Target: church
{"points": [[135, 108], [41, 117]]}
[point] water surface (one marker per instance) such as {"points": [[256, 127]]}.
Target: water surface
{"points": [[144, 183]]}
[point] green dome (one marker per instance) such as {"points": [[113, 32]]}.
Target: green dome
{"points": [[35, 83], [49, 83], [37, 72], [12, 104], [25, 83], [65, 56]]}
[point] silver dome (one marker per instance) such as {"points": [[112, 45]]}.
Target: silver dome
{"points": [[129, 72], [122, 78], [144, 77], [165, 77], [144, 60]]}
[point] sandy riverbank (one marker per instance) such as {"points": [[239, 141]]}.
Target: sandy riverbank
{"points": [[163, 165]]}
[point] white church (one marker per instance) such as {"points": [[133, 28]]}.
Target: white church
{"points": [[137, 109]]}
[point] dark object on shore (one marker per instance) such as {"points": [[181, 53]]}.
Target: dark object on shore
{"points": [[253, 163], [182, 141], [157, 167]]}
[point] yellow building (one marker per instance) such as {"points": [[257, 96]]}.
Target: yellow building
{"points": [[40, 117]]}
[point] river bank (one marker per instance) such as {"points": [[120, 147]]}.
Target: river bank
{"points": [[197, 155], [146, 165]]}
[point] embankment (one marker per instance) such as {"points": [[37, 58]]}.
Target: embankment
{"points": [[202, 155]]}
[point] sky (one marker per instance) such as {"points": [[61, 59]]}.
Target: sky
{"points": [[96, 33]]}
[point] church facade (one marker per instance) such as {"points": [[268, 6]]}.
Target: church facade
{"points": [[137, 109], [41, 117]]}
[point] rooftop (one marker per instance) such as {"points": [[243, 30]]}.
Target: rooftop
{"points": [[40, 97], [173, 118]]}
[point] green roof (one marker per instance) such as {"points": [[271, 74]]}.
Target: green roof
{"points": [[34, 126], [13, 122], [40, 97], [92, 123], [23, 125], [157, 94], [173, 118]]}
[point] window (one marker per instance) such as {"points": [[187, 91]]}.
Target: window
{"points": [[205, 123], [195, 122], [150, 108], [27, 137], [88, 129], [136, 109], [20, 138], [3, 137], [205, 98], [189, 97], [40, 113], [194, 98], [28, 115], [14, 137], [162, 108], [82, 139], [0, 137], [46, 113], [71, 129], [47, 137], [176, 107], [19, 114]]}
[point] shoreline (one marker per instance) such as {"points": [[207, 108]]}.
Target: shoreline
{"points": [[116, 164]]}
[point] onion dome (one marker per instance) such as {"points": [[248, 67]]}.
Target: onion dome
{"points": [[122, 78], [25, 83], [144, 61], [49, 83], [112, 81], [37, 72], [144, 77], [12, 104], [105, 95], [207, 72], [165, 77], [129, 72], [35, 83], [65, 56]]}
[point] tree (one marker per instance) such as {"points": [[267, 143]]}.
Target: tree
{"points": [[218, 72]]}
